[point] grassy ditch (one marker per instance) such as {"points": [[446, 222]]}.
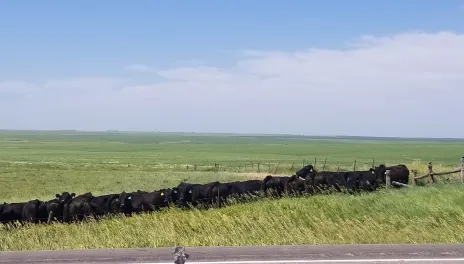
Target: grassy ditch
{"points": [[431, 214]]}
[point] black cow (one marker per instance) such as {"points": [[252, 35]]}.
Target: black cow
{"points": [[361, 180], [31, 211], [276, 184], [239, 190], [142, 202], [295, 185], [171, 195], [78, 208], [194, 193], [305, 171], [54, 206], [323, 180], [398, 173], [250, 187], [12, 212], [219, 192], [106, 204], [88, 205], [35, 211]]}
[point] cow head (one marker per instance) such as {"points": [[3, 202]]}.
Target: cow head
{"points": [[125, 200], [305, 171], [65, 197], [171, 195], [379, 172], [185, 191]]}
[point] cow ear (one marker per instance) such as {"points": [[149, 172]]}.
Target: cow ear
{"points": [[57, 195], [73, 194]]}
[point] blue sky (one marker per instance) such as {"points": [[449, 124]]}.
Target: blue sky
{"points": [[99, 65]]}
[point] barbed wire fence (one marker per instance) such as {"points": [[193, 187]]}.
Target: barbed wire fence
{"points": [[280, 166], [245, 166]]}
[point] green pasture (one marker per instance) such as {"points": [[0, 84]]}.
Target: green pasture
{"points": [[37, 164]]}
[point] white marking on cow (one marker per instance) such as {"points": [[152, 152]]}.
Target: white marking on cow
{"points": [[432, 260]]}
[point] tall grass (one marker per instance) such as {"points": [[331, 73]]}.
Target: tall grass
{"points": [[432, 214], [35, 165]]}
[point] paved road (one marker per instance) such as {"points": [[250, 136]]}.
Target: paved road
{"points": [[424, 253]]}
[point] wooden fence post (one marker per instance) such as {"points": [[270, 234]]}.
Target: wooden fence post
{"points": [[354, 166], [414, 173], [430, 167], [387, 179], [325, 162], [462, 170]]}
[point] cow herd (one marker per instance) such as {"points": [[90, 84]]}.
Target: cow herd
{"points": [[69, 207]]}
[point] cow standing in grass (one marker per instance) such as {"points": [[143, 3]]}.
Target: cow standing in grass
{"points": [[325, 180], [398, 173], [274, 184], [78, 208], [171, 196], [194, 194], [106, 204], [304, 172], [143, 202], [295, 185], [238, 190], [11, 212], [361, 180]]}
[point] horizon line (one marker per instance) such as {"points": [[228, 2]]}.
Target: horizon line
{"points": [[223, 133]]}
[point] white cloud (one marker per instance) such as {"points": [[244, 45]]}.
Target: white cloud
{"points": [[138, 68], [408, 84], [201, 74]]}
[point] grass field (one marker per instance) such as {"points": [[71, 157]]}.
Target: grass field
{"points": [[40, 164]]}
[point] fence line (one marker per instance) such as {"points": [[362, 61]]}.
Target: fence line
{"points": [[272, 166], [432, 173]]}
